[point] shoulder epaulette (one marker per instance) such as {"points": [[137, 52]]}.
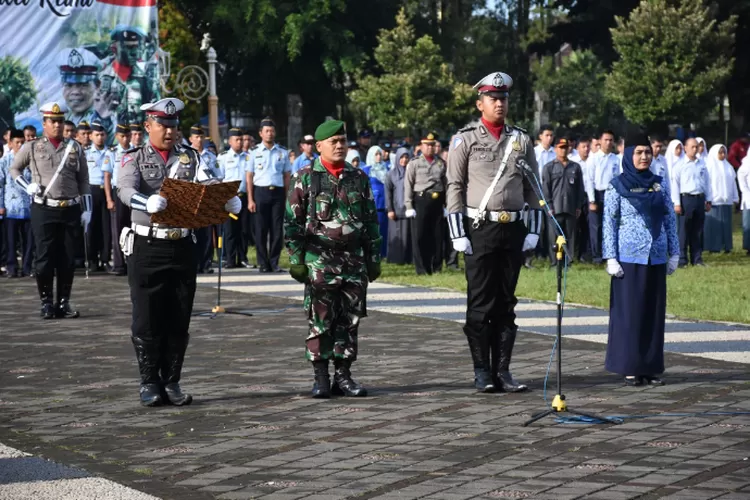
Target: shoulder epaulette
{"points": [[468, 128], [520, 129], [133, 150]]}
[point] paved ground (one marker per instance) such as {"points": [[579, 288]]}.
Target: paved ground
{"points": [[68, 393], [720, 341]]}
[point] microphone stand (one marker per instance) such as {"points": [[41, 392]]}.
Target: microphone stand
{"points": [[559, 404], [218, 308]]}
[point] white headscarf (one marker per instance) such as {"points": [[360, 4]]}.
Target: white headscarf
{"points": [[377, 169], [351, 155], [703, 155], [671, 158], [722, 177]]}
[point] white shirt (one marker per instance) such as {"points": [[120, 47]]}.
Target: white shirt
{"points": [[543, 156], [743, 177], [659, 167], [605, 168], [690, 177]]}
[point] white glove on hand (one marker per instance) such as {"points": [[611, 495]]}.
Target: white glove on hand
{"points": [[530, 242], [411, 213], [85, 220], [674, 261], [463, 245], [445, 213], [234, 205], [614, 268], [156, 203], [33, 188]]}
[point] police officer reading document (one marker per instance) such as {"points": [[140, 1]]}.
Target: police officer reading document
{"points": [[161, 268]]}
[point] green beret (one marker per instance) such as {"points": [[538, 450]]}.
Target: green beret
{"points": [[328, 129]]}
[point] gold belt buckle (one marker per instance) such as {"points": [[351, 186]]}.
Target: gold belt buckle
{"points": [[271, 188], [63, 203], [504, 217], [435, 195], [174, 234]]}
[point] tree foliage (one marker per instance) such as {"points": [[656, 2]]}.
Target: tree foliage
{"points": [[17, 84], [575, 89], [674, 61], [416, 90]]}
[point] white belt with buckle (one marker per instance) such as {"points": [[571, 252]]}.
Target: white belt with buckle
{"points": [[56, 203], [161, 233], [503, 217]]}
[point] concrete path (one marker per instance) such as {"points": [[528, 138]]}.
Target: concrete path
{"points": [[707, 340]]}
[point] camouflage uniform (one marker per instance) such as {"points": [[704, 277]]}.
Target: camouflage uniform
{"points": [[336, 235]]}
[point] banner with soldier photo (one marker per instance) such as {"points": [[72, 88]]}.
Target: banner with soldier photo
{"points": [[97, 56]]}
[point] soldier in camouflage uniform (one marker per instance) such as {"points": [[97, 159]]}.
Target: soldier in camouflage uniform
{"points": [[332, 236]]}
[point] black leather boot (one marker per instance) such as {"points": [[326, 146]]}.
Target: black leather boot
{"points": [[63, 309], [480, 355], [44, 285], [507, 338], [147, 354], [173, 357], [343, 385], [322, 386]]}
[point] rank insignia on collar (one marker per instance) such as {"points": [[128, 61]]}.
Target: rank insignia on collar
{"points": [[184, 159], [516, 146]]}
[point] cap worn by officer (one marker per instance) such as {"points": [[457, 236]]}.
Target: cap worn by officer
{"points": [[236, 132], [496, 84], [308, 139], [330, 128], [127, 34], [267, 122], [77, 65], [97, 127], [54, 111], [197, 130], [136, 127], [429, 139], [84, 126], [165, 112], [365, 133], [122, 129], [562, 142]]}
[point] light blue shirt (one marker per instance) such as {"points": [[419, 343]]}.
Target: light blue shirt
{"points": [[659, 167], [626, 233], [605, 168], [302, 161], [112, 163], [210, 160], [95, 159], [232, 167], [13, 197], [268, 166], [690, 177]]}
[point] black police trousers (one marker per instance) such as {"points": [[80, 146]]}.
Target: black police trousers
{"points": [[269, 225], [100, 229], [56, 233], [427, 233], [162, 279]]}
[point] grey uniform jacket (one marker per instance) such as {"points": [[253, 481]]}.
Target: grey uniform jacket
{"points": [[143, 172], [43, 159], [473, 161], [423, 176], [563, 187]]}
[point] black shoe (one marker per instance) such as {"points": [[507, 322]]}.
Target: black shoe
{"points": [[634, 381], [118, 272], [322, 386], [209, 270], [150, 395], [65, 311], [175, 395], [653, 381], [277, 269], [700, 264], [509, 384], [48, 311], [483, 381], [246, 264], [343, 385], [266, 270], [527, 264]]}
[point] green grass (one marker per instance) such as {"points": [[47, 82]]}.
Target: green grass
{"points": [[719, 292]]}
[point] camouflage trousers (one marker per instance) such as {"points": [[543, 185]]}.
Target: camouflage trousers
{"points": [[333, 316]]}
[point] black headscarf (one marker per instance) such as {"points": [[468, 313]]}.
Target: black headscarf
{"points": [[642, 188]]}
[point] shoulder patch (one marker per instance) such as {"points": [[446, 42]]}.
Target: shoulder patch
{"points": [[456, 142], [125, 159]]}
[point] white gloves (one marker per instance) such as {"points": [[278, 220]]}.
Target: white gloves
{"points": [[463, 245], [445, 213], [411, 213], [674, 261], [33, 188], [85, 220], [530, 242], [156, 203], [614, 268], [234, 205]]}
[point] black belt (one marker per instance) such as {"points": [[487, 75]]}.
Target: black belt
{"points": [[692, 195], [348, 246], [432, 194], [270, 188]]}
